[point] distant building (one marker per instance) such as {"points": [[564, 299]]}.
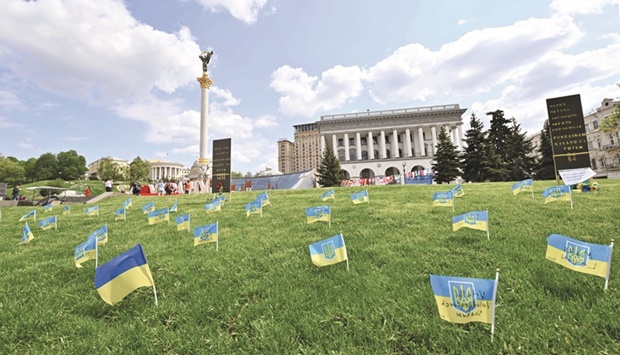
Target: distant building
{"points": [[604, 147], [375, 143], [164, 170], [93, 168], [286, 156]]}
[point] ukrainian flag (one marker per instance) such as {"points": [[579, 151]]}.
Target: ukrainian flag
{"points": [[174, 207], [183, 222], [319, 213], [255, 206], [158, 216], [475, 220], [588, 258], [32, 214], [328, 195], [48, 207], [264, 199], [122, 275], [67, 210], [445, 198], [523, 185], [100, 234], [127, 204], [360, 197], [457, 191], [120, 214], [92, 211], [206, 234], [149, 207], [49, 223], [222, 198], [27, 235], [214, 206], [557, 193], [464, 300], [85, 251], [328, 251]]}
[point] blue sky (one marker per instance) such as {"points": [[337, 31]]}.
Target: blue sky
{"points": [[118, 78]]}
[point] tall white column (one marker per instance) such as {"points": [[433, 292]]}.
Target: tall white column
{"points": [[205, 84], [454, 139], [395, 144], [335, 144], [371, 147], [460, 136], [358, 145], [434, 134], [346, 147], [382, 146], [322, 144], [421, 141], [407, 143]]}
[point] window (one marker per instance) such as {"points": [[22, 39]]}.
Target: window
{"points": [[595, 124], [363, 141], [364, 155], [602, 161], [593, 163], [387, 139], [340, 142], [387, 154], [399, 139], [341, 155], [374, 140]]}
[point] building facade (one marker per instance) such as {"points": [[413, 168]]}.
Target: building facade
{"points": [[163, 170], [604, 147], [286, 156], [93, 168], [378, 143]]}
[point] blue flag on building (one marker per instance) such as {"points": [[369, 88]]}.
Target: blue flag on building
{"points": [[329, 251], [183, 222], [32, 214], [159, 216], [557, 193], [49, 223], [329, 195], [86, 251], [92, 211], [27, 235], [360, 197], [149, 207], [319, 213], [587, 258], [523, 185], [444, 198], [174, 207], [120, 214], [253, 207], [122, 275]]}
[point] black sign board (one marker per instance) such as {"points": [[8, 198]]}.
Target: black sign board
{"points": [[221, 165], [568, 133]]}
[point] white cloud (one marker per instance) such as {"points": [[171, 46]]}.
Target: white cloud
{"points": [[266, 121], [243, 10], [581, 7], [94, 50], [9, 101], [304, 95]]}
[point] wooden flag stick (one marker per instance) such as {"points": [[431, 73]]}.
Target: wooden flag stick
{"points": [[494, 297], [611, 249]]}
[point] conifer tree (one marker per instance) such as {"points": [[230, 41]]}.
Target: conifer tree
{"points": [[520, 159], [447, 164], [329, 171], [498, 135], [546, 168], [476, 157]]}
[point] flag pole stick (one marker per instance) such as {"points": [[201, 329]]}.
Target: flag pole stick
{"points": [[217, 241], [532, 188], [330, 217], [488, 225], [611, 249], [188, 223], [570, 191], [154, 292], [494, 297], [345, 249], [96, 252]]}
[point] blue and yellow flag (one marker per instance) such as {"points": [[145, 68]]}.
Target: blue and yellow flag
{"points": [[464, 300], [149, 207], [49, 223], [445, 198], [360, 197], [329, 195], [523, 185], [122, 275], [214, 206], [183, 222], [85, 251], [32, 214], [27, 235], [158, 216], [222, 198], [475, 220], [48, 207], [557, 193], [317, 214], [66, 210], [457, 191], [174, 207], [100, 234], [206, 234], [255, 206], [264, 199], [588, 258], [127, 204], [92, 211], [120, 214], [329, 251]]}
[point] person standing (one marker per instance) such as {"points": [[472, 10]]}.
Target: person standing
{"points": [[87, 191], [15, 192], [160, 188], [108, 185]]}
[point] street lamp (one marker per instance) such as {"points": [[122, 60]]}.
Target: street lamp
{"points": [[404, 165]]}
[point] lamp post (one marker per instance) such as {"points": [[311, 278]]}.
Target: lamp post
{"points": [[403, 175]]}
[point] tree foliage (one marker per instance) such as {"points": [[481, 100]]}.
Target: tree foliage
{"points": [[139, 169], [520, 158], [109, 170], [70, 165], [46, 167], [11, 172], [545, 168], [329, 171], [447, 164], [476, 159]]}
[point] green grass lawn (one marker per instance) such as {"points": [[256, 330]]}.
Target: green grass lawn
{"points": [[261, 294]]}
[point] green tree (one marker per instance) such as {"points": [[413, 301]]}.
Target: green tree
{"points": [[476, 157], [109, 170], [498, 135], [329, 171], [248, 174], [611, 123], [139, 169], [46, 167], [545, 167], [29, 168], [236, 174], [446, 165], [520, 160], [71, 166], [11, 172]]}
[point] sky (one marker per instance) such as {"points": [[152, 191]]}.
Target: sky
{"points": [[118, 78]]}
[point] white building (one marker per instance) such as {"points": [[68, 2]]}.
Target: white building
{"points": [[121, 165], [163, 170], [604, 147]]}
